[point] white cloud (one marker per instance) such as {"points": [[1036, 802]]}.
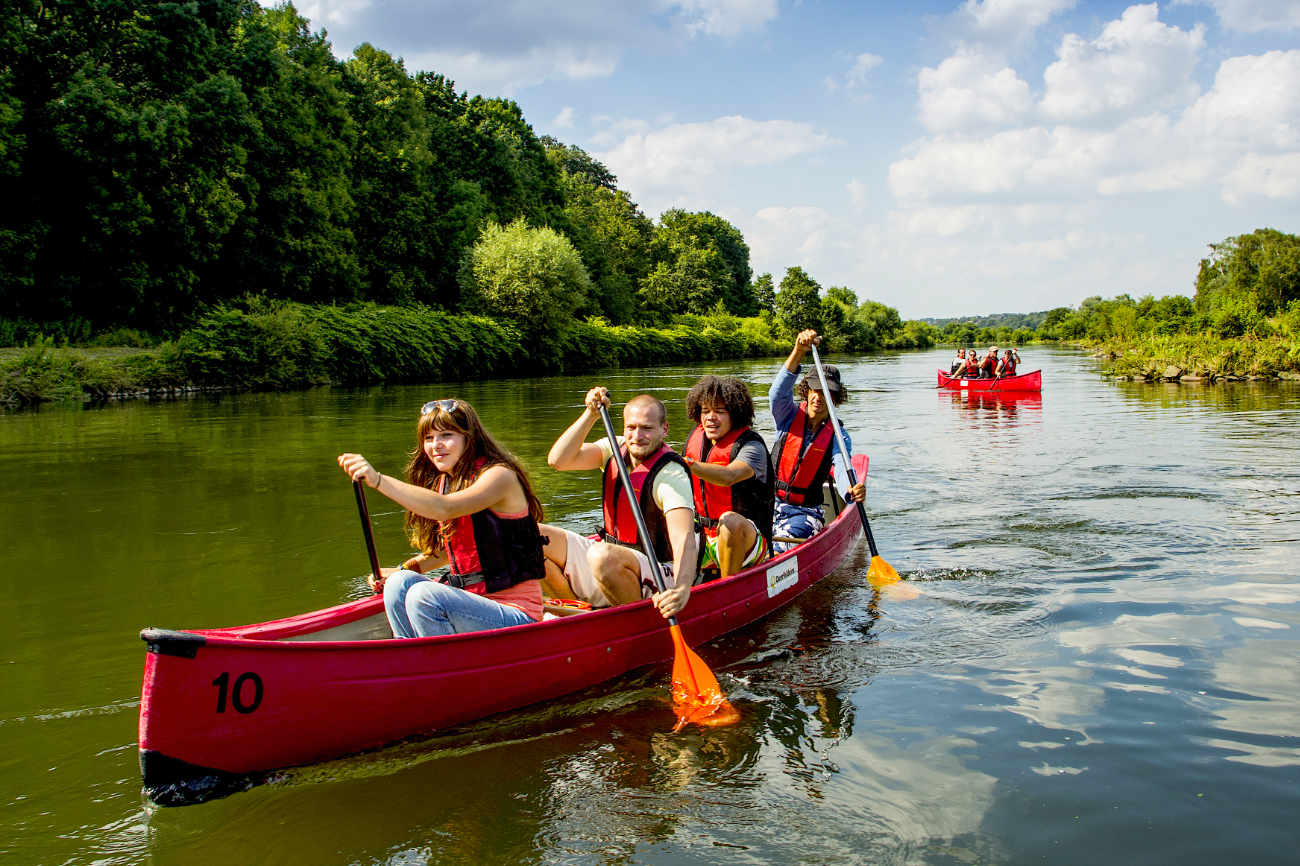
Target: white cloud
{"points": [[564, 120], [970, 90], [1276, 177], [1252, 16], [1254, 103], [1136, 65], [1007, 21], [684, 154], [503, 75], [725, 18], [783, 236], [857, 193], [862, 65]]}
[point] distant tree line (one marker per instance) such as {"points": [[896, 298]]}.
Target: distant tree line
{"points": [[1249, 285], [160, 160]]}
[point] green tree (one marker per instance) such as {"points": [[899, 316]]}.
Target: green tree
{"points": [[764, 293], [705, 239], [798, 304], [1260, 269], [532, 277]]}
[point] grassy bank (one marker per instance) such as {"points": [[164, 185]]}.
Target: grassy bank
{"points": [[1201, 357], [284, 345]]}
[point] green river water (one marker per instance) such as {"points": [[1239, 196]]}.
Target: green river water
{"points": [[1103, 667]]}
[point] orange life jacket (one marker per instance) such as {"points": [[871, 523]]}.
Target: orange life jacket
{"points": [[801, 472], [620, 523], [750, 498]]}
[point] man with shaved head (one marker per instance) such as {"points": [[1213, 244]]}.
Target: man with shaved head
{"points": [[613, 570]]}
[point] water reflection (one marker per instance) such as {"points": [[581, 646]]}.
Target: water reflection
{"points": [[1102, 665]]}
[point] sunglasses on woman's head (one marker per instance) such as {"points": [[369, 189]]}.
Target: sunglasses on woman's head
{"points": [[447, 406]]}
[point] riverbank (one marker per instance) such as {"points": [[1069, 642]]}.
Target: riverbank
{"points": [[283, 346], [1200, 358]]}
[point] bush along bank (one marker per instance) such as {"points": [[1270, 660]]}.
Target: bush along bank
{"points": [[1202, 358], [284, 346]]}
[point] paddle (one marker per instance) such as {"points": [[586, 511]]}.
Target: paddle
{"points": [[880, 573], [696, 694], [360, 490]]}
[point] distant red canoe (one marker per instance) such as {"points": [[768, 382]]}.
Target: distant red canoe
{"points": [[1024, 382], [219, 707]]}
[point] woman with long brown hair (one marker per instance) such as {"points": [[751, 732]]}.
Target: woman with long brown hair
{"points": [[469, 506]]}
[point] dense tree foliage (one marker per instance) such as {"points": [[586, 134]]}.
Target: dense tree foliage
{"points": [[533, 278], [161, 161]]}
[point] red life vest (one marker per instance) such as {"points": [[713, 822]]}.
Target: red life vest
{"points": [[750, 498], [488, 553], [620, 523], [1009, 366], [988, 365], [801, 472]]}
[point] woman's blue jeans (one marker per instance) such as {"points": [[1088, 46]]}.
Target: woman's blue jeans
{"points": [[420, 607]]}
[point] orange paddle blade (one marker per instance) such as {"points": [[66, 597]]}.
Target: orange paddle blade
{"points": [[881, 573], [882, 576], [696, 695]]}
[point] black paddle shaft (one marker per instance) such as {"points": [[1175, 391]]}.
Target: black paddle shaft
{"points": [[359, 489], [844, 450], [641, 530]]}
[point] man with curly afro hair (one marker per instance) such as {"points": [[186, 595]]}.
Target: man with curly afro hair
{"points": [[731, 473]]}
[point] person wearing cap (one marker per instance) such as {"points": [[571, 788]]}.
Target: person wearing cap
{"points": [[805, 448], [989, 366]]}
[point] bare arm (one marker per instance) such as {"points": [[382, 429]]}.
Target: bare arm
{"points": [[681, 534], [571, 450], [496, 488], [801, 343], [724, 476]]}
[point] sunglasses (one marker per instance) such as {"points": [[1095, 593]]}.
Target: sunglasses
{"points": [[447, 406]]}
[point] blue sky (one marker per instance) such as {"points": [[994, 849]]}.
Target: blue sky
{"points": [[956, 158]]}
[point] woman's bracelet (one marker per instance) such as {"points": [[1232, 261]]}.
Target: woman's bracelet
{"points": [[379, 478]]}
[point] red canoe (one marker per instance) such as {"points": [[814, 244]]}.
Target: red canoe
{"points": [[219, 707], [1024, 382]]}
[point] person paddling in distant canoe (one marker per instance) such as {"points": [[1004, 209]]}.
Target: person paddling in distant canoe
{"points": [[805, 445], [968, 368], [1007, 366], [612, 569], [989, 364], [469, 506]]}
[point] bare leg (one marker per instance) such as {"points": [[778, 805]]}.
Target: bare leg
{"points": [[617, 572], [555, 554], [736, 538]]}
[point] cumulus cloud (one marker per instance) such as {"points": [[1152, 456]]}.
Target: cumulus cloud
{"points": [[725, 18], [1254, 103], [1276, 177], [857, 193], [792, 235], [683, 154], [1007, 21], [971, 90], [493, 47], [1252, 16], [1137, 64], [564, 120]]}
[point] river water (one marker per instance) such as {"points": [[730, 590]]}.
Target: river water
{"points": [[1103, 665]]}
